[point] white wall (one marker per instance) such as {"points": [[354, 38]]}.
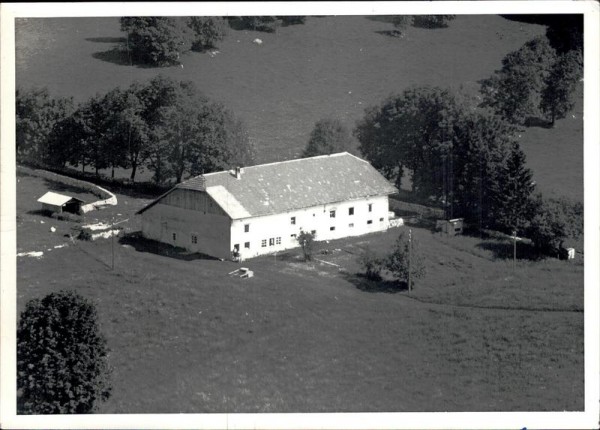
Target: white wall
{"points": [[315, 218]]}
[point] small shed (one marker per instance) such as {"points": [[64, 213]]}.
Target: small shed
{"points": [[451, 227], [54, 202]]}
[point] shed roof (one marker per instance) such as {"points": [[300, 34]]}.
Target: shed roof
{"points": [[56, 199], [290, 185]]}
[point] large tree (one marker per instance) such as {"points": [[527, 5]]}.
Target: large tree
{"points": [[207, 31], [158, 41], [513, 92], [555, 221], [328, 137], [62, 358], [561, 84], [36, 115]]}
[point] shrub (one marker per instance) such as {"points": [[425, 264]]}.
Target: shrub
{"points": [[62, 364], [406, 259], [372, 264], [555, 221], [306, 241], [84, 235]]}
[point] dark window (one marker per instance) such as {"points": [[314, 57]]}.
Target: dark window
{"points": [[331, 214], [194, 239], [350, 211], [278, 241], [272, 241], [351, 225], [293, 220], [246, 228], [380, 219], [174, 237], [331, 228], [247, 245], [370, 207], [370, 221], [263, 243]]}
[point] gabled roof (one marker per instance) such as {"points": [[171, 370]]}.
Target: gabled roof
{"points": [[56, 199], [290, 185]]}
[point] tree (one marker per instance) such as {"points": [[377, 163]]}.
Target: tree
{"points": [[267, 24], [433, 21], [560, 85], [306, 240], [36, 115], [412, 130], [401, 23], [329, 136], [158, 41], [555, 221], [513, 92], [207, 32], [62, 358], [406, 259], [511, 191]]}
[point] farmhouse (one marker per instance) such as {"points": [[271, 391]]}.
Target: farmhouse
{"points": [[261, 209], [54, 202]]}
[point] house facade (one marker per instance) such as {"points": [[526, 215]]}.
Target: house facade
{"points": [[261, 209]]}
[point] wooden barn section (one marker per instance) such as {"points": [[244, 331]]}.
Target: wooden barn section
{"points": [[262, 209], [58, 203]]}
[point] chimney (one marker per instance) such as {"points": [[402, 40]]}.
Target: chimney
{"points": [[238, 173]]}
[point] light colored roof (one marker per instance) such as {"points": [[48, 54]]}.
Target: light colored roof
{"points": [[227, 202], [56, 199], [289, 185]]}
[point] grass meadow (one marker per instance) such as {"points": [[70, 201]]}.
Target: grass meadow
{"points": [[333, 66], [313, 337]]}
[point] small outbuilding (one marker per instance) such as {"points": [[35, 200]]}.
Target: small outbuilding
{"points": [[58, 203], [451, 227]]}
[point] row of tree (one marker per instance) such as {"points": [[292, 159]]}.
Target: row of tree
{"points": [[534, 81], [160, 41], [166, 126]]}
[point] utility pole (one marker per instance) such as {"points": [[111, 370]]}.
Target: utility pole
{"points": [[514, 249], [409, 258]]}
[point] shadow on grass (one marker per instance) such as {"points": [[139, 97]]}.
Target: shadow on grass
{"points": [[59, 187], [533, 121], [116, 56], [361, 282], [390, 33], [106, 39], [505, 250], [142, 244]]}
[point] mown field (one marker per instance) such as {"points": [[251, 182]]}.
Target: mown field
{"points": [[330, 66], [186, 337]]}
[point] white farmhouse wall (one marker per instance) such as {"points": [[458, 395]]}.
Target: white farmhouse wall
{"points": [[277, 230], [210, 231]]}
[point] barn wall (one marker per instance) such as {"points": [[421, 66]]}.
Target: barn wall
{"points": [[316, 218], [212, 231]]}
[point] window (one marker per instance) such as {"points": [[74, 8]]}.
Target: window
{"points": [[351, 225], [246, 228], [370, 207], [278, 241], [263, 243], [370, 221], [350, 211], [272, 241], [247, 245], [380, 219], [293, 220], [174, 237], [194, 239], [331, 214], [331, 228]]}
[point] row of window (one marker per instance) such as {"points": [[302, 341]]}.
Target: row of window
{"points": [[331, 215]]}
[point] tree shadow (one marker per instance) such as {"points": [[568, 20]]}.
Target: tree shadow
{"points": [[533, 121], [361, 282], [116, 56], [390, 33], [66, 188], [505, 250], [106, 39], [141, 244]]}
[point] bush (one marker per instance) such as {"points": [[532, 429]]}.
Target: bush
{"points": [[207, 32], [306, 241], [405, 259], [84, 235], [372, 264], [555, 221], [62, 359]]}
